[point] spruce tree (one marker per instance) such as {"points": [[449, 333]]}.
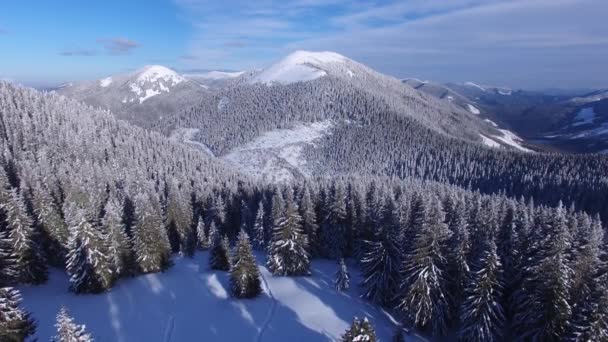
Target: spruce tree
{"points": [[259, 242], [15, 323], [56, 233], [179, 219], [8, 268], [219, 255], [333, 231], [481, 313], [89, 264], [423, 296], [360, 331], [547, 281], [458, 250], [201, 236], [119, 246], [381, 260], [68, 330], [29, 255], [309, 221], [342, 281], [151, 243], [288, 252], [244, 273]]}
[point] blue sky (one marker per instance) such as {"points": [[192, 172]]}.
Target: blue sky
{"points": [[519, 43]]}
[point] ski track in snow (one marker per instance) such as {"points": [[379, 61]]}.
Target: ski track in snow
{"points": [[169, 329], [272, 310]]}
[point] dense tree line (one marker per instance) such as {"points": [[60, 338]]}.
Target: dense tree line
{"points": [[105, 200]]}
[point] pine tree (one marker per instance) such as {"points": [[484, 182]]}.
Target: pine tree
{"points": [[119, 246], [56, 233], [342, 277], [360, 331], [333, 230], [244, 273], [458, 250], [288, 252], [151, 243], [8, 268], [89, 265], [68, 330], [381, 260], [546, 285], [423, 290], [179, 218], [29, 256], [481, 313], [15, 323], [258, 229], [203, 240], [219, 257], [309, 221]]}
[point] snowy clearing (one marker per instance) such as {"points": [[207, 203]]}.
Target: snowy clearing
{"points": [[488, 142], [511, 139], [584, 116], [490, 122], [188, 136], [298, 66], [471, 84], [473, 109], [277, 155], [189, 302], [216, 75]]}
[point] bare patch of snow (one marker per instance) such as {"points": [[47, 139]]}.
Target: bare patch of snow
{"points": [[490, 122], [471, 84], [105, 82], [299, 66], [584, 116], [511, 139], [216, 75], [223, 103], [505, 92], [473, 109], [277, 155], [149, 94], [489, 142]]}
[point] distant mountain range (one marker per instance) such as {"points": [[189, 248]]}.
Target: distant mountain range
{"points": [[565, 122]]}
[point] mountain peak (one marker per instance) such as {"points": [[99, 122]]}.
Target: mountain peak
{"points": [[300, 66], [153, 73]]}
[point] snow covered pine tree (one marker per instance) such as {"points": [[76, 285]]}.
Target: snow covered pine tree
{"points": [[68, 330], [15, 323], [342, 276], [360, 331], [244, 273]]}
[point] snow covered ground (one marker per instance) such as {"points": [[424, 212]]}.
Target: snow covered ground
{"points": [[473, 109], [277, 155], [489, 142], [298, 66], [189, 302], [584, 116], [188, 136]]}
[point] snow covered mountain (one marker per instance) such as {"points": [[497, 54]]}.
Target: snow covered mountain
{"points": [[214, 78], [142, 97]]}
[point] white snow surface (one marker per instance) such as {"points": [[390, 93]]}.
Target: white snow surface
{"points": [[299, 66], [490, 122], [216, 75], [471, 84], [105, 82], [489, 142], [473, 109], [189, 302], [154, 73], [511, 139], [584, 116], [277, 155]]}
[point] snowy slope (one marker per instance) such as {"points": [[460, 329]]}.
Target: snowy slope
{"points": [[191, 303], [277, 155], [300, 66], [215, 75]]}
